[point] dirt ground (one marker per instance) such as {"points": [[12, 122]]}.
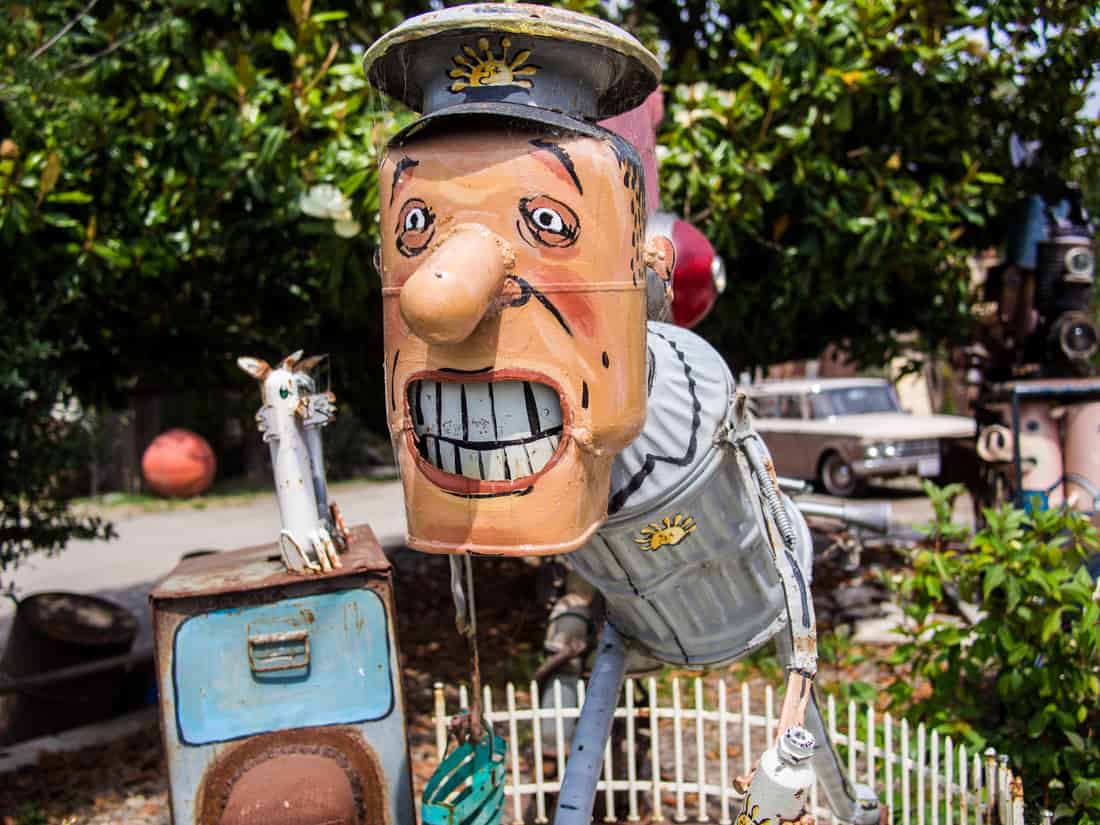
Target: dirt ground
{"points": [[126, 782]]}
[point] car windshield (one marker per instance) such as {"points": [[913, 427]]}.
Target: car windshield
{"points": [[854, 401]]}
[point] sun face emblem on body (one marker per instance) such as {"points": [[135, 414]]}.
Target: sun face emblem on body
{"points": [[749, 815], [486, 69], [671, 530]]}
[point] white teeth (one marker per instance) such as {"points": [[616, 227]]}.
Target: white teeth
{"points": [[494, 461], [451, 408], [540, 452], [547, 406], [500, 431], [423, 400], [470, 467], [511, 410], [479, 413], [518, 462]]}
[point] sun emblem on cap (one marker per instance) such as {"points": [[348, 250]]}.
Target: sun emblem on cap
{"points": [[473, 70], [670, 531]]}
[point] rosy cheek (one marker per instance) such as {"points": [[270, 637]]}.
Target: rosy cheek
{"points": [[576, 308], [578, 312]]}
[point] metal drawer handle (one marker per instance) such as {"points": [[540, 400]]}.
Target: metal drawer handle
{"points": [[288, 650]]}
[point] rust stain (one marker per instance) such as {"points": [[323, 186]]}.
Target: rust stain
{"points": [[260, 567]]}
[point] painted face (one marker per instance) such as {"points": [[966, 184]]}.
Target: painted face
{"points": [[514, 295]]}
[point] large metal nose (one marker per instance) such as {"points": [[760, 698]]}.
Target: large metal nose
{"points": [[449, 294]]}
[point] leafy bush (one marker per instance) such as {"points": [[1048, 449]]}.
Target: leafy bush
{"points": [[1025, 677]]}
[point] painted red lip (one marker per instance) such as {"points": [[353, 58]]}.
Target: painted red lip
{"points": [[485, 433]]}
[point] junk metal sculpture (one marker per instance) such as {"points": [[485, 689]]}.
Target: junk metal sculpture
{"points": [[1038, 401], [290, 420], [532, 406]]}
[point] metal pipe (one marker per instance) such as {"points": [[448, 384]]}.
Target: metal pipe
{"points": [[10, 685], [874, 515], [582, 772]]}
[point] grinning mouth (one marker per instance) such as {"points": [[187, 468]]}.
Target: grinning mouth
{"points": [[504, 430]]}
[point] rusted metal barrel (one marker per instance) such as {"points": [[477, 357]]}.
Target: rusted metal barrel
{"points": [[58, 630]]}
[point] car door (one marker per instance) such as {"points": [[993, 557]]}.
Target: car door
{"points": [[782, 435]]}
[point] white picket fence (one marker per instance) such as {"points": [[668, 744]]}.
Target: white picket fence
{"points": [[696, 748]]}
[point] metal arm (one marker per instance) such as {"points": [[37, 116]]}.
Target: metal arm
{"points": [[582, 771], [782, 540]]}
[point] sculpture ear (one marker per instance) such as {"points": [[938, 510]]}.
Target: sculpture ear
{"points": [[255, 367], [306, 364], [289, 362], [660, 256]]}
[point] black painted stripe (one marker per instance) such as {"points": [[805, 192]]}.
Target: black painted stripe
{"points": [[465, 412], [621, 496], [393, 375], [500, 442], [532, 407], [438, 407], [584, 394], [419, 408], [493, 410]]}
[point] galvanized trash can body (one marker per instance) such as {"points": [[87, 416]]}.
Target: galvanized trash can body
{"points": [[281, 695], [683, 559]]}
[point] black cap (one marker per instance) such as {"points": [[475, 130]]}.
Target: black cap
{"points": [[519, 61]]}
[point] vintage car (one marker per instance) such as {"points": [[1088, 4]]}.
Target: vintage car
{"points": [[840, 432]]}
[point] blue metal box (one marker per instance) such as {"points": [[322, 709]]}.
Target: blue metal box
{"points": [[281, 694]]}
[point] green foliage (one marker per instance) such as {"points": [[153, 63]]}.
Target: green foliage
{"points": [[154, 156], [1025, 678], [846, 156], [153, 161]]}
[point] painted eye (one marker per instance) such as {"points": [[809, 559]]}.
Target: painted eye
{"points": [[549, 221], [415, 227], [284, 392], [416, 219]]}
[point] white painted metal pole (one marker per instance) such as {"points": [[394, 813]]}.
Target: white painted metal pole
{"points": [[631, 755], [678, 749], [655, 750], [513, 750], [700, 751], [723, 754]]}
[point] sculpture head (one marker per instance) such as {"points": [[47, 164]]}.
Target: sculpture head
{"points": [[283, 386], [514, 290]]}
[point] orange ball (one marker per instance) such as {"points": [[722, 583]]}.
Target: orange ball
{"points": [[179, 463]]}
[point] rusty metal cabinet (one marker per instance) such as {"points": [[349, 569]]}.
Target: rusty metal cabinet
{"points": [[281, 695]]}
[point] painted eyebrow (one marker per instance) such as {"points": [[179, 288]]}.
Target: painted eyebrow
{"points": [[402, 165], [563, 156]]}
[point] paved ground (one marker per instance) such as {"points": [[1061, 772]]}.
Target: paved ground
{"points": [[150, 544]]}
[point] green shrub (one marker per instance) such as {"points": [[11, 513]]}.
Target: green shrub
{"points": [[1025, 677]]}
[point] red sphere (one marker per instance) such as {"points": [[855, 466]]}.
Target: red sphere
{"points": [[699, 275], [179, 463]]}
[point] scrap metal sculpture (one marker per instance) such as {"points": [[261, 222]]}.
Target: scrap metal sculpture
{"points": [[290, 421], [535, 408]]}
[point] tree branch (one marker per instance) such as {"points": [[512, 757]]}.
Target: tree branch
{"points": [[41, 50]]}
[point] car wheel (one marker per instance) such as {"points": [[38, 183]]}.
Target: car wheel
{"points": [[837, 477]]}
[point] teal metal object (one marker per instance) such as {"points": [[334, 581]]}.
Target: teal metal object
{"points": [[468, 786]]}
